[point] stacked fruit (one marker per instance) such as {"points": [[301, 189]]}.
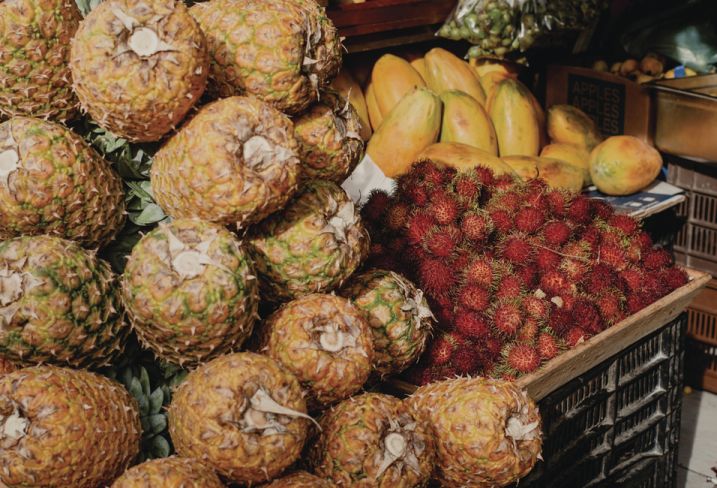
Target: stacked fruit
{"points": [[515, 272]]}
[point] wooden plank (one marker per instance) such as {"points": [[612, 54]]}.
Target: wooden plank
{"points": [[583, 357], [388, 15]]}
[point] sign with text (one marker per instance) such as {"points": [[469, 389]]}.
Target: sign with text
{"points": [[604, 101]]}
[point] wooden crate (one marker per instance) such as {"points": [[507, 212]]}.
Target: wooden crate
{"points": [[571, 364], [701, 367]]}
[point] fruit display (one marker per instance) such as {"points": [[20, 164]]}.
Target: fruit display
{"points": [[622, 165], [190, 291], [139, 66], [515, 120], [300, 479], [37, 158], [373, 440], [465, 121], [312, 246], [234, 163], [392, 78], [445, 71], [241, 414], [329, 137], [283, 52], [58, 304], [398, 315], [78, 428], [172, 472], [570, 125], [501, 448], [515, 272], [651, 67], [325, 342], [35, 77]]}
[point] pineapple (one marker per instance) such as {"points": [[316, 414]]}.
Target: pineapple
{"points": [[282, 52], [398, 314], [300, 479], [323, 340], [235, 163], [373, 441], [138, 66], [190, 292], [487, 431], [35, 75], [329, 139], [6, 366], [52, 182], [243, 415], [173, 472], [312, 246], [58, 304], [64, 428]]}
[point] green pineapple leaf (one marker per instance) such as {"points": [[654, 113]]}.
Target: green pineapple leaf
{"points": [[156, 400], [160, 447], [157, 423], [144, 381]]}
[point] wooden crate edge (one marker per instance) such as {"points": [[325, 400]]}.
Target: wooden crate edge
{"points": [[592, 352]]}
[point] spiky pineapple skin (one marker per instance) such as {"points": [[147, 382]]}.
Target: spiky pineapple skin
{"points": [[172, 472], [300, 479], [139, 97], [469, 417], [207, 408], [350, 449], [83, 429], [260, 48], [6, 366], [35, 76], [299, 250], [202, 171], [58, 185], [393, 306], [328, 377], [59, 304], [330, 143], [186, 318]]}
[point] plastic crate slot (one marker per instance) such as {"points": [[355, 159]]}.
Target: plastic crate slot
{"points": [[645, 474], [641, 420], [641, 391], [703, 242], [703, 326], [704, 210], [582, 474], [594, 422], [642, 358], [646, 444], [593, 446]]}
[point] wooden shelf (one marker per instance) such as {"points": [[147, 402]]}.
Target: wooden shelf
{"points": [[377, 24]]}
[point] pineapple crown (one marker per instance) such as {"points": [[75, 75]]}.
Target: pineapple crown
{"points": [[401, 445]]}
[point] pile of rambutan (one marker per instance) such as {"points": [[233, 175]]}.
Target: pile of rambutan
{"points": [[515, 272]]}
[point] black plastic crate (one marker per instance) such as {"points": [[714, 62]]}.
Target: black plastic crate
{"points": [[619, 423]]}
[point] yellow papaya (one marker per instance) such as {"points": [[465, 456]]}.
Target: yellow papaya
{"points": [[466, 121], [490, 65], [345, 84], [490, 79], [570, 125], [622, 165], [576, 155], [446, 71], [559, 174], [407, 130], [524, 166], [419, 64], [392, 78], [463, 157], [511, 108], [374, 114]]}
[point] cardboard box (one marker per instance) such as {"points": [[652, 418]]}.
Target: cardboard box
{"points": [[618, 105]]}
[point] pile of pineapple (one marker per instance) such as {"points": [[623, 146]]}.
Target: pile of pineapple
{"points": [[242, 286]]}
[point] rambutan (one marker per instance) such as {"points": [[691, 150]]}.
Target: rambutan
{"points": [[656, 259], [633, 279], [471, 325], [474, 297], [476, 226], [376, 249], [534, 196], [375, 206], [599, 278], [556, 233], [580, 210], [485, 175], [435, 276], [644, 240], [397, 215], [625, 223], [515, 249], [442, 241], [555, 282], [575, 336], [467, 187], [536, 307], [522, 358], [443, 207], [613, 255], [491, 347], [440, 350], [547, 260], [507, 200], [609, 304], [445, 317], [529, 331], [592, 235], [503, 182], [557, 202], [547, 346], [529, 220], [502, 220], [418, 227], [428, 172], [560, 320], [601, 209], [587, 316], [673, 278], [637, 301], [396, 245], [461, 258], [511, 286], [416, 195], [480, 271], [528, 274], [507, 318], [466, 360], [576, 260]]}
